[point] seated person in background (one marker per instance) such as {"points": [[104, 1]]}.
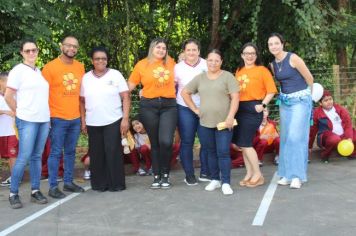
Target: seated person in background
{"points": [[267, 138], [331, 124]]}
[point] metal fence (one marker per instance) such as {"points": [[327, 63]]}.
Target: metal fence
{"points": [[341, 82]]}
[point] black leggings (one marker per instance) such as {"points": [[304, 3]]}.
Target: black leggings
{"points": [[159, 117]]}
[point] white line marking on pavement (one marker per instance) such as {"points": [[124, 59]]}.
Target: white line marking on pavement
{"points": [[39, 213], [266, 202]]}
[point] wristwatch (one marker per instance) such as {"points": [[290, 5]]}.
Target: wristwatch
{"points": [[263, 105]]}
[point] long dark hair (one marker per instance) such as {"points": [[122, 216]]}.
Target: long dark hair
{"points": [[258, 61]]}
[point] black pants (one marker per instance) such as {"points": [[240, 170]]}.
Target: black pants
{"points": [[106, 158], [159, 117]]}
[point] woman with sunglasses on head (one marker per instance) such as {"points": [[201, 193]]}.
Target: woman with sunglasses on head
{"points": [[219, 98], [295, 106], [257, 88], [26, 83], [158, 107], [105, 105]]}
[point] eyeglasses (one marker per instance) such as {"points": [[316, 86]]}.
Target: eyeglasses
{"points": [[100, 59], [249, 54], [33, 50], [68, 45]]}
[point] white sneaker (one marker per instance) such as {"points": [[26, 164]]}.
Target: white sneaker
{"points": [[6, 182], [283, 181], [296, 183], [86, 174], [141, 172], [226, 189], [214, 184]]}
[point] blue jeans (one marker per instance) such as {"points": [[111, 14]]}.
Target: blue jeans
{"points": [[217, 146], [64, 136], [294, 136], [188, 126], [32, 139]]}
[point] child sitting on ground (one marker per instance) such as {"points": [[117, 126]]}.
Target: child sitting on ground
{"points": [[331, 123], [8, 139]]}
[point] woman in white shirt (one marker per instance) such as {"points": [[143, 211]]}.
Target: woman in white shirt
{"points": [[188, 122], [27, 84], [105, 105]]}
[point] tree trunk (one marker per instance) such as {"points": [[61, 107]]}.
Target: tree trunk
{"points": [[215, 37], [341, 55]]}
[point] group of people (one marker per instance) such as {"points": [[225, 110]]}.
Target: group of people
{"points": [[195, 95]]}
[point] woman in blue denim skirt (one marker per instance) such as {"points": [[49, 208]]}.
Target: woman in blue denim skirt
{"points": [[32, 121], [295, 106]]}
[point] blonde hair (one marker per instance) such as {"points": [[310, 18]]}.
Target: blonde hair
{"points": [[153, 45]]}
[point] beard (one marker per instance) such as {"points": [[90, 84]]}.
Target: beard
{"points": [[68, 55]]}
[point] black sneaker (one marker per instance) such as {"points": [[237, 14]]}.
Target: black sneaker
{"points": [[56, 193], [204, 178], [15, 202], [190, 180], [156, 182], [38, 197], [72, 187], [165, 184]]}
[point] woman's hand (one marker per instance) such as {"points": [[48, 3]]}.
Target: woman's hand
{"points": [[124, 127], [84, 127], [229, 123], [259, 108], [196, 111]]}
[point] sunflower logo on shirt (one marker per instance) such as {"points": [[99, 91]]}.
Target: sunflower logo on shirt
{"points": [[243, 81], [161, 74], [69, 81]]}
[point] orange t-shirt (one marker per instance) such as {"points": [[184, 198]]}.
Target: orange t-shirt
{"points": [[64, 88], [156, 78], [255, 83]]}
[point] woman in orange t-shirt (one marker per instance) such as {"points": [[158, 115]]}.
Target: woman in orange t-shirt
{"points": [[257, 88], [158, 108]]}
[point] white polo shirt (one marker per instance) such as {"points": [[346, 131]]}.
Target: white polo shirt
{"points": [[335, 120], [6, 121], [183, 74], [31, 93], [103, 104]]}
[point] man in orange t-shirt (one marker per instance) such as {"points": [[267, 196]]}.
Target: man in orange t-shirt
{"points": [[64, 75]]}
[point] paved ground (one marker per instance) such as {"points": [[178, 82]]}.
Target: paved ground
{"points": [[326, 205]]}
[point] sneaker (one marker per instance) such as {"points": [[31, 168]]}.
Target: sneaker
{"points": [[15, 202], [56, 193], [72, 187], [38, 197], [86, 175], [214, 184], [275, 161], [296, 183], [260, 163], [226, 189], [150, 171], [204, 178], [6, 182], [156, 182], [283, 181], [190, 180], [141, 172], [165, 184], [325, 160]]}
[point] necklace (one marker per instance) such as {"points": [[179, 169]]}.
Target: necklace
{"points": [[279, 66]]}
